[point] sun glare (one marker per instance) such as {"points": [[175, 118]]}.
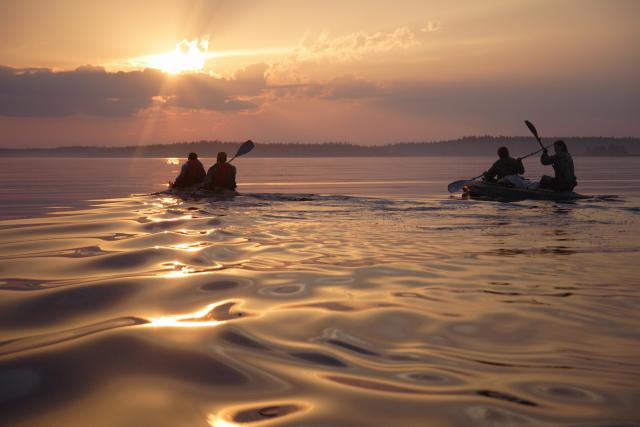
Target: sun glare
{"points": [[188, 56], [200, 318]]}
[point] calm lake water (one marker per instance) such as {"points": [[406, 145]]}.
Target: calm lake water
{"points": [[333, 292]]}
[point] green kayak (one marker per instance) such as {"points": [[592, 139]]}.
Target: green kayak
{"points": [[503, 193]]}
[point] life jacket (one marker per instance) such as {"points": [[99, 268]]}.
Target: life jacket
{"points": [[222, 176], [194, 174]]}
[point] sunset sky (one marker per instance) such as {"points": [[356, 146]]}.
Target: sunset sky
{"points": [[369, 72]]}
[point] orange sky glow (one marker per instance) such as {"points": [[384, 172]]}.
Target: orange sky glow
{"points": [[369, 72]]}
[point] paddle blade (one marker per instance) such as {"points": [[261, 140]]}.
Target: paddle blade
{"points": [[456, 186], [532, 128], [245, 148]]}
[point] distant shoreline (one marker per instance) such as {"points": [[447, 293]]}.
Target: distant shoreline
{"points": [[80, 156], [468, 146]]}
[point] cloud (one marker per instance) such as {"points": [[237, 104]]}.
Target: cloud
{"points": [[508, 101], [93, 91], [340, 88], [86, 90], [453, 107], [354, 46], [349, 87], [479, 104], [200, 91], [432, 27]]}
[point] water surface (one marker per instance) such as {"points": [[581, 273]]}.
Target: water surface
{"points": [[332, 292]]}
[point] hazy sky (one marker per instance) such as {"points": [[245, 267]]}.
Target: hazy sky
{"points": [[135, 72]]}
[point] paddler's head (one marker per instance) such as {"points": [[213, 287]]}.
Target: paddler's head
{"points": [[193, 156], [222, 157], [503, 152], [560, 146]]}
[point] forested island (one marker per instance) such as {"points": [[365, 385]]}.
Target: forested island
{"points": [[467, 146]]}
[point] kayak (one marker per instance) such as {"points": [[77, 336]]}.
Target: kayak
{"points": [[498, 192], [194, 191]]}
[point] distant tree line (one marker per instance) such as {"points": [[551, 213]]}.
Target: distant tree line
{"points": [[467, 146], [611, 149]]}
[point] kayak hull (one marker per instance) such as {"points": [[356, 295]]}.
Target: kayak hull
{"points": [[497, 192], [194, 191]]}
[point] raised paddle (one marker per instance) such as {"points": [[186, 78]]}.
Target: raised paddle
{"points": [[536, 152], [244, 149], [534, 131], [456, 186]]}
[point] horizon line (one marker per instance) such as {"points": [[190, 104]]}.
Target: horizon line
{"points": [[355, 144]]}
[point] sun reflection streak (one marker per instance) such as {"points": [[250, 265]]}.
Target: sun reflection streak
{"points": [[179, 270], [187, 232], [185, 247], [171, 219], [190, 247], [215, 421], [165, 201], [200, 318]]}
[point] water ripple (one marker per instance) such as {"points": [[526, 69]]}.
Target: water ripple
{"points": [[305, 309]]}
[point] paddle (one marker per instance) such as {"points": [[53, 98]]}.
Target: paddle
{"points": [[536, 152], [244, 149], [534, 131], [456, 186]]}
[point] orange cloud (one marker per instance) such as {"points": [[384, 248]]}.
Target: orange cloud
{"points": [[312, 50], [353, 46]]}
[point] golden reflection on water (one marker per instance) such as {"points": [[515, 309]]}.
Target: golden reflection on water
{"points": [[413, 312], [178, 270], [215, 421], [180, 218], [197, 319], [172, 161], [162, 202], [186, 247], [187, 232], [259, 413]]}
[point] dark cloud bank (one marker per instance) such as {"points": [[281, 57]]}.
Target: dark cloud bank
{"points": [[94, 91], [599, 106]]}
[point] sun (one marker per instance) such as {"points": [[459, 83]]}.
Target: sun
{"points": [[188, 56]]}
